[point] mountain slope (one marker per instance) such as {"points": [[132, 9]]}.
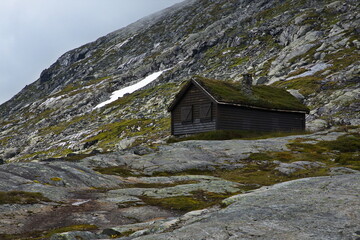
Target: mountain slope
{"points": [[311, 47]]}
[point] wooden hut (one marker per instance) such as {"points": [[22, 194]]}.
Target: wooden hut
{"points": [[206, 105]]}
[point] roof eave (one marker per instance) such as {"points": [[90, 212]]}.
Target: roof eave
{"points": [[262, 108]]}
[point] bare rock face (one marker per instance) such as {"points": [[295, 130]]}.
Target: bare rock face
{"points": [[312, 208]]}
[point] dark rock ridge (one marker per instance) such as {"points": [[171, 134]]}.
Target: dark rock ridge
{"points": [[308, 47]]}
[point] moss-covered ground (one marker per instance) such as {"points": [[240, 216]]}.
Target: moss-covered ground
{"points": [[197, 200], [47, 234], [233, 134], [20, 197]]}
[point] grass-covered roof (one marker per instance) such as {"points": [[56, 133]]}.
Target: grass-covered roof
{"points": [[263, 96]]}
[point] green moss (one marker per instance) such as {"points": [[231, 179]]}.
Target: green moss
{"points": [[4, 141], [115, 234], [76, 157], [47, 234], [263, 96], [56, 179], [306, 85], [110, 133], [260, 170], [156, 185], [232, 134], [342, 59], [297, 72], [344, 144], [238, 61], [350, 159], [122, 171], [62, 126], [20, 197], [198, 200]]}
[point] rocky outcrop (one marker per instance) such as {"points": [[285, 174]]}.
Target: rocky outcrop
{"points": [[311, 49], [313, 208], [153, 195]]}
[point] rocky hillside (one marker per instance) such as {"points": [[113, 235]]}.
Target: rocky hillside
{"points": [[309, 47]]}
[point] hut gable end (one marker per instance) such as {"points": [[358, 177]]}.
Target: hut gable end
{"points": [[192, 111]]}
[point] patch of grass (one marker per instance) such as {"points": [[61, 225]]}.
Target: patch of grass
{"points": [[344, 144], [198, 200], [110, 134], [342, 58], [349, 159], [306, 85], [157, 185], [20, 197], [115, 234], [72, 157], [232, 134], [38, 235], [122, 171], [260, 170], [4, 141], [56, 179], [238, 61], [62, 126], [297, 72]]}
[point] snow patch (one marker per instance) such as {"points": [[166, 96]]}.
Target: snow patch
{"points": [[117, 46], [130, 89], [80, 203], [226, 52], [49, 101], [314, 69]]}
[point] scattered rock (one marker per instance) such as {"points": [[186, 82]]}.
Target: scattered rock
{"points": [[11, 152], [289, 168], [126, 143], [296, 94]]}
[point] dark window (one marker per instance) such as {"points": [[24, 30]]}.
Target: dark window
{"points": [[205, 112], [186, 115]]}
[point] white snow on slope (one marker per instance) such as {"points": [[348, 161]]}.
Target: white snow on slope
{"points": [[130, 89]]}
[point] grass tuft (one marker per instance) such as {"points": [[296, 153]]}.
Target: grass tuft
{"points": [[198, 200], [38, 235], [232, 134], [20, 197]]}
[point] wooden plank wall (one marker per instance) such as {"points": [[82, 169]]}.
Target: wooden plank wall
{"points": [[232, 118], [193, 97]]}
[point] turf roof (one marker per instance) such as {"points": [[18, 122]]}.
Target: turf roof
{"points": [[263, 96]]}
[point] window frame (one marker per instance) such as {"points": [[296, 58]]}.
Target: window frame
{"points": [[188, 111], [206, 112]]}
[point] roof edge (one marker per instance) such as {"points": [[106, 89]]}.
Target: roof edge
{"points": [[262, 108]]}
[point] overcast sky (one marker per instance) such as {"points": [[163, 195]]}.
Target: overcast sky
{"points": [[34, 33]]}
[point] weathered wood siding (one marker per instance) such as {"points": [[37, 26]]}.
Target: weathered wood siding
{"points": [[233, 118], [193, 97]]}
